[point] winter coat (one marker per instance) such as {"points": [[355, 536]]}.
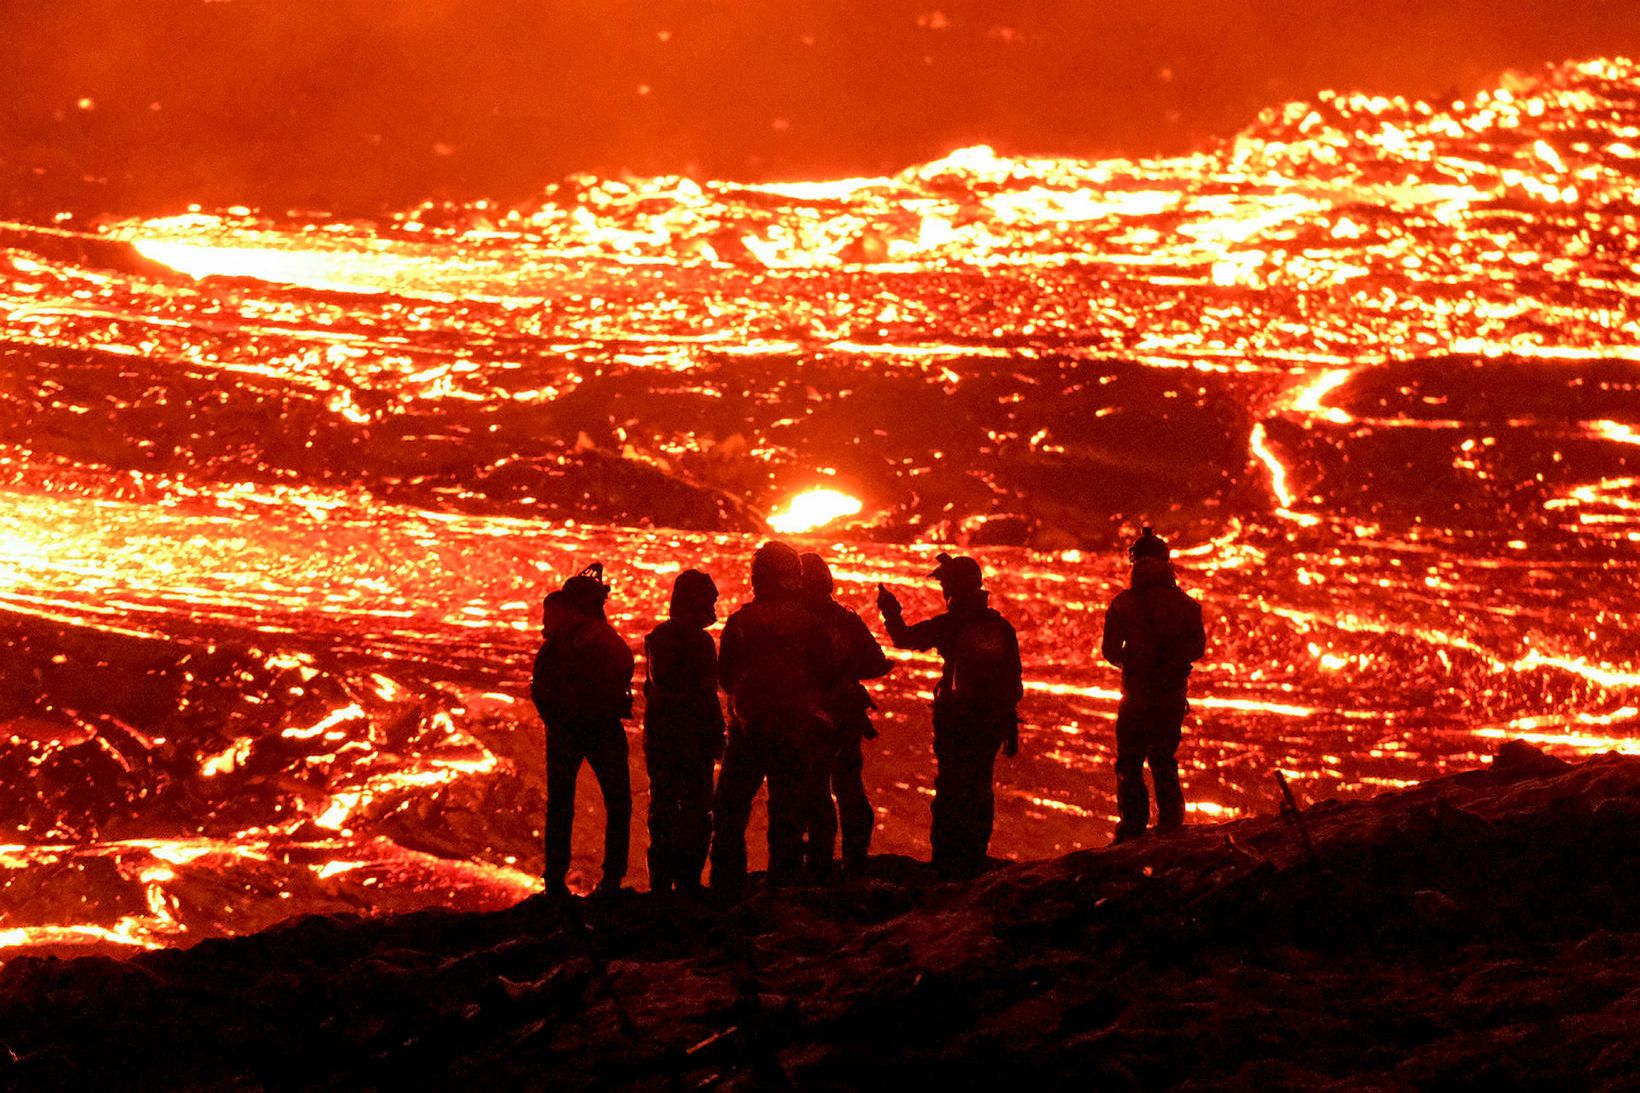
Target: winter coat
{"points": [[856, 656], [681, 711], [775, 662], [583, 673], [981, 675], [1154, 633]]}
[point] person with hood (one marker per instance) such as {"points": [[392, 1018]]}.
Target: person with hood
{"points": [[774, 664], [1153, 633], [582, 688], [682, 734], [857, 657], [975, 707]]}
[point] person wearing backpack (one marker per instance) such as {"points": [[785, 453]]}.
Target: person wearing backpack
{"points": [[857, 657], [682, 734], [774, 663], [1153, 633], [582, 688], [975, 707]]}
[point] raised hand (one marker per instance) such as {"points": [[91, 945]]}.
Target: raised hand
{"points": [[886, 601]]}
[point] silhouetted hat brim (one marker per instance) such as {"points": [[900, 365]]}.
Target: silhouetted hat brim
{"points": [[958, 569]]}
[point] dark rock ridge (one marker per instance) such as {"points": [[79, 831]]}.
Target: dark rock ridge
{"points": [[1481, 930]]}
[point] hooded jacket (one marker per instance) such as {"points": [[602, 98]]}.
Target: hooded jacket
{"points": [[1154, 633], [681, 708]]}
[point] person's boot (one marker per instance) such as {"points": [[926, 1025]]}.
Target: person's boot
{"points": [[958, 867], [1127, 835], [820, 870], [727, 890]]}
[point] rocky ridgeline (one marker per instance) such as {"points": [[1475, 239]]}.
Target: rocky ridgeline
{"points": [[1476, 931]]}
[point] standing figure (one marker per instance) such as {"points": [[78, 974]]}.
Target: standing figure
{"points": [[975, 707], [1154, 633], [774, 666], [682, 734], [582, 687], [856, 657]]}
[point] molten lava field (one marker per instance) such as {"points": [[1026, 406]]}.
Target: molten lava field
{"points": [[280, 493]]}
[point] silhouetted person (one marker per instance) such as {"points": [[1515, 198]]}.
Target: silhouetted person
{"points": [[774, 666], [682, 734], [975, 707], [1154, 633], [855, 656], [582, 687]]}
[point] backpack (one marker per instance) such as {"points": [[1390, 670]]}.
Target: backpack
{"points": [[570, 682], [984, 663]]}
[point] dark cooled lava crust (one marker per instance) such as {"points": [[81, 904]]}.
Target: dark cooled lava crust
{"points": [[1482, 929]]}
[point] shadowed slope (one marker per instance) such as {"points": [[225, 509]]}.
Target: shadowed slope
{"points": [[1482, 928]]}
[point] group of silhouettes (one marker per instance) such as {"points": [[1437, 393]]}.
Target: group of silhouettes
{"points": [[791, 665]]}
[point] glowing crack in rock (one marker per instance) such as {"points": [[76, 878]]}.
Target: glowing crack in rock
{"points": [[814, 509], [1258, 444], [1309, 400]]}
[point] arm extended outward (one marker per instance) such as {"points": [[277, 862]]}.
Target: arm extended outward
{"points": [[921, 637]]}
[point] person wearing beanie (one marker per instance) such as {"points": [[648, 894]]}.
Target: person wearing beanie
{"points": [[582, 688], [858, 657], [682, 734], [1153, 633], [774, 664], [975, 707]]}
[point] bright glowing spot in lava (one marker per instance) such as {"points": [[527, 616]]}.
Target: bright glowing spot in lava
{"points": [[813, 509]]}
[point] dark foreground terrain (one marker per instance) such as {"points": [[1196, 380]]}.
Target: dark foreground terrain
{"points": [[1482, 930]]}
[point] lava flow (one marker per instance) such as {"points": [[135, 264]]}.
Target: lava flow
{"points": [[279, 497]]}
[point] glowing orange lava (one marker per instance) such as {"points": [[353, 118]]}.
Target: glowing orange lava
{"points": [[813, 509], [274, 527]]}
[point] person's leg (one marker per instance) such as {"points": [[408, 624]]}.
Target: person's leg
{"points": [[963, 756], [737, 785], [963, 798], [854, 815], [942, 833], [982, 769], [694, 820], [1161, 751], [663, 816], [607, 751], [820, 850], [563, 765], [791, 809], [818, 755], [1132, 799]]}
